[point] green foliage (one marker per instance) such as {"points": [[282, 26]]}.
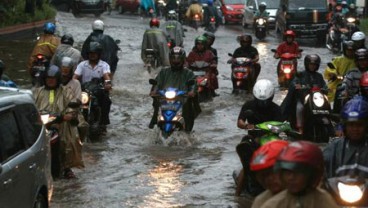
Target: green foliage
{"points": [[364, 25], [13, 13]]}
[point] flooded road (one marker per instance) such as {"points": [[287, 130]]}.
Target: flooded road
{"points": [[127, 169]]}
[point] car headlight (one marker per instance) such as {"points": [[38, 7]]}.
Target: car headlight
{"points": [[229, 8], [170, 94], [350, 193], [84, 98]]}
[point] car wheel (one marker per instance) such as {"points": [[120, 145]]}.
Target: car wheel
{"points": [[120, 9], [41, 201]]}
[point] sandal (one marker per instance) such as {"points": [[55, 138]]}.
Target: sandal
{"points": [[69, 174]]}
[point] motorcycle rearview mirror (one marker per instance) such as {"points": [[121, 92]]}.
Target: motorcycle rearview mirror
{"points": [[273, 50], [230, 54], [331, 65], [117, 41], [152, 81]]}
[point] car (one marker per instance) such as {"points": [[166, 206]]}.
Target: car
{"points": [[25, 160], [232, 10], [251, 6], [132, 6], [96, 7]]}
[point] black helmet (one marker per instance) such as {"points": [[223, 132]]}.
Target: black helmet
{"points": [[67, 39], [171, 15], [262, 6], [95, 47], [346, 45], [53, 72], [245, 38], [312, 59], [361, 54], [177, 57], [339, 17], [210, 37]]}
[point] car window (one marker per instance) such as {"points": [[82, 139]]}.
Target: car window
{"points": [[28, 116], [10, 139], [302, 4], [234, 2], [251, 3]]}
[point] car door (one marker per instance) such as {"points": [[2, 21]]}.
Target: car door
{"points": [[15, 177], [249, 11]]}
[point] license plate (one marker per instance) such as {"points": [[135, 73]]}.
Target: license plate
{"points": [[287, 62], [168, 107]]}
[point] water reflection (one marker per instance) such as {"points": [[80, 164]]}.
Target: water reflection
{"points": [[164, 178]]}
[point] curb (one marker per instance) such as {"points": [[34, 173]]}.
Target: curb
{"points": [[9, 31]]}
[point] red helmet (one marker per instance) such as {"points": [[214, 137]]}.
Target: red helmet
{"points": [[364, 84], [154, 22], [265, 156], [305, 157], [289, 33]]}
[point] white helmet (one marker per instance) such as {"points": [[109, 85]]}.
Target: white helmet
{"points": [[357, 36], [263, 89], [263, 4], [98, 25]]}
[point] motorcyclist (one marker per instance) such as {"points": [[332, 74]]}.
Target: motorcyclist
{"points": [[66, 49], [177, 76], [247, 50], [359, 40], [201, 53], [350, 83], [353, 147], [155, 38], [352, 13], [147, 7], [261, 13], [210, 40], [55, 98], [172, 5], [173, 29], [258, 110], [193, 9], [345, 7], [301, 168], [300, 87], [109, 46], [211, 11], [46, 44], [5, 82], [262, 163], [92, 68], [288, 46], [342, 64], [338, 27]]}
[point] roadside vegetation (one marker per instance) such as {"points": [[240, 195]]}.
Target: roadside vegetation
{"points": [[14, 12], [364, 25]]}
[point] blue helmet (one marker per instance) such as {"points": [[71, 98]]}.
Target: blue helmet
{"points": [[355, 109], [49, 28], [210, 2]]}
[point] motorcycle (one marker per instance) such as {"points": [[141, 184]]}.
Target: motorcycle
{"points": [[260, 29], [171, 101], [90, 108], [336, 37], [286, 68], [171, 43], [352, 26], [200, 70], [151, 59], [350, 187], [211, 27], [317, 118], [196, 21], [38, 70], [241, 73]]}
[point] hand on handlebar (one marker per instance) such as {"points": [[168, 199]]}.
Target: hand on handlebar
{"points": [[249, 126]]}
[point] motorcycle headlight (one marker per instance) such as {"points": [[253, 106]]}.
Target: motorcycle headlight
{"points": [[350, 193], [45, 118], [261, 21], [350, 19], [287, 70], [318, 99], [170, 94], [84, 98], [203, 82]]}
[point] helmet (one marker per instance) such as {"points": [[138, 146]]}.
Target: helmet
{"points": [[67, 62], [346, 45], [339, 17], [67, 39], [363, 83], [262, 6], [210, 36], [49, 28], [263, 89], [210, 2], [245, 38], [355, 109], [265, 156], [361, 54], [304, 157], [289, 33], [171, 15], [357, 36], [352, 6], [154, 22], [177, 57], [98, 25], [200, 39], [53, 72], [95, 47], [344, 3], [312, 59]]}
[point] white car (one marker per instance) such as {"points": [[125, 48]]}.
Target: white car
{"points": [[251, 6]]}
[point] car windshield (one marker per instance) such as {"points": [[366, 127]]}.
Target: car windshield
{"points": [[302, 4], [233, 2], [271, 4]]}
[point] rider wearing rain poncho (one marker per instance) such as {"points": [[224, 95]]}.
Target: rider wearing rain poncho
{"points": [[173, 28]]}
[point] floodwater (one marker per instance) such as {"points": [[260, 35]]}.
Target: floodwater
{"points": [[127, 168]]}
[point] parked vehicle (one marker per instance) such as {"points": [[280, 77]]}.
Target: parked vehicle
{"points": [[96, 7], [308, 19], [241, 73], [232, 10], [132, 6], [251, 6], [25, 171]]}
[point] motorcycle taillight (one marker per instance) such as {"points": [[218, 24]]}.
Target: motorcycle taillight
{"points": [[239, 75], [212, 19]]}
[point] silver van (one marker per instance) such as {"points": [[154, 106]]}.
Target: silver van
{"points": [[25, 160], [251, 6]]}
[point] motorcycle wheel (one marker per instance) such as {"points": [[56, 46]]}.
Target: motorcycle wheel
{"points": [[93, 120]]}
